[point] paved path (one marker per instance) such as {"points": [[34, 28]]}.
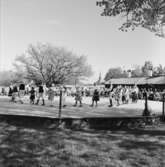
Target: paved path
{"points": [[133, 109]]}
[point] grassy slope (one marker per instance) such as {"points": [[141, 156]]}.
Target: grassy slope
{"points": [[34, 146]]}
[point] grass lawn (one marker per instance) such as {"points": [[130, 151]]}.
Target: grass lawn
{"points": [[27, 144], [32, 146], [131, 109]]}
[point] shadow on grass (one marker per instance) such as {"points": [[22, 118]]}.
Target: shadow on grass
{"points": [[148, 145], [150, 133], [23, 146], [31, 147], [31, 143]]}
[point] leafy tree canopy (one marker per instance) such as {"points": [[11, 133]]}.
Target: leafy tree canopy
{"points": [[136, 71], [49, 64], [9, 77], [115, 73], [149, 14]]}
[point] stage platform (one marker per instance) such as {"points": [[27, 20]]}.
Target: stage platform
{"points": [[125, 110]]}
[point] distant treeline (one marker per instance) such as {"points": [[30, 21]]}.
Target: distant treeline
{"points": [[138, 71]]}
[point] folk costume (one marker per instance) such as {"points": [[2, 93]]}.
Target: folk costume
{"points": [[40, 95], [78, 97], [95, 97], [32, 95]]}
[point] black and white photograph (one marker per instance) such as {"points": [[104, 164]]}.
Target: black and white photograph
{"points": [[82, 83]]}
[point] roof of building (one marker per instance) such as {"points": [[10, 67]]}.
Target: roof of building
{"points": [[160, 80], [156, 80]]}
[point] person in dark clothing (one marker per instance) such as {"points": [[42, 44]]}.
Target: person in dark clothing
{"points": [[32, 95], [111, 99], [10, 91], [14, 93], [21, 92], [3, 91], [40, 94], [22, 86], [78, 97], [95, 98]]}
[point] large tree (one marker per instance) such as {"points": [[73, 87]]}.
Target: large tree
{"points": [[159, 70], [49, 64], [137, 71], [9, 77], [116, 72], [148, 66], [149, 14]]}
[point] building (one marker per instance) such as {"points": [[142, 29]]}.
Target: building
{"points": [[142, 82]]}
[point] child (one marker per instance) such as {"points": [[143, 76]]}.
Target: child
{"points": [[78, 97], [95, 98], [32, 95], [10, 91], [111, 99], [21, 92], [14, 93], [51, 94], [64, 95], [40, 94]]}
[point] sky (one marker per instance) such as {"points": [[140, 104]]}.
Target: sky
{"points": [[77, 26]]}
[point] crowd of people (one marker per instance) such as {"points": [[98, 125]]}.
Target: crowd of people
{"points": [[123, 95], [41, 92], [153, 94], [117, 94]]}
